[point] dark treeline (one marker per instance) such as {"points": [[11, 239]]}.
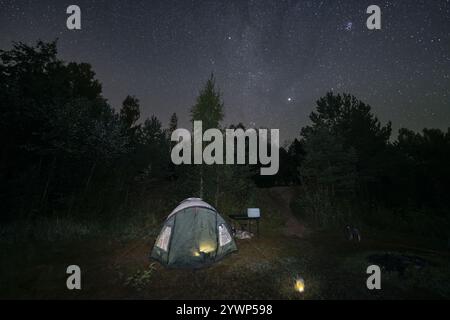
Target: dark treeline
{"points": [[67, 152], [64, 148], [350, 171]]}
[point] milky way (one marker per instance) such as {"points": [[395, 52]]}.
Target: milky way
{"points": [[272, 59]]}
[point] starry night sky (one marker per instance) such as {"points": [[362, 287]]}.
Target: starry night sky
{"points": [[272, 59]]}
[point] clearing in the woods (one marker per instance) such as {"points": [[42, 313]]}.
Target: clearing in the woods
{"points": [[263, 268]]}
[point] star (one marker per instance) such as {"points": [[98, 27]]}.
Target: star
{"points": [[259, 59], [349, 26]]}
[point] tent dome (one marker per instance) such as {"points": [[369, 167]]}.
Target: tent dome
{"points": [[193, 235], [189, 203]]}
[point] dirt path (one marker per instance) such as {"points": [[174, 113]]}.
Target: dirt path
{"points": [[283, 197]]}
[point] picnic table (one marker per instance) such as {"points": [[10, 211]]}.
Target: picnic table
{"points": [[243, 217]]}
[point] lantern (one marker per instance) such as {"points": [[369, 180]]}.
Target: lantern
{"points": [[299, 284]]}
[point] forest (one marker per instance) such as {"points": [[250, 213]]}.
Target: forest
{"points": [[71, 164]]}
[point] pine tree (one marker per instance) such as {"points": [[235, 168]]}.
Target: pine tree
{"points": [[173, 124], [209, 106], [130, 113], [209, 110]]}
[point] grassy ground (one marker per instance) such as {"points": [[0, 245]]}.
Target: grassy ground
{"points": [[263, 268]]}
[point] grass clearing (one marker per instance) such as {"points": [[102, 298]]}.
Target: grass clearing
{"points": [[263, 268]]}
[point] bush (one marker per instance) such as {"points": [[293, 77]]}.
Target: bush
{"points": [[321, 209]]}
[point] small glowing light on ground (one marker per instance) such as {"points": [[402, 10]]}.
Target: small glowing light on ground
{"points": [[299, 284]]}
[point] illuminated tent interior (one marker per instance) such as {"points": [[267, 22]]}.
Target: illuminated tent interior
{"points": [[193, 235]]}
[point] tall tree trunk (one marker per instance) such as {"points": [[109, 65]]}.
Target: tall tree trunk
{"points": [[91, 173], [217, 188], [201, 183], [126, 196], [47, 184]]}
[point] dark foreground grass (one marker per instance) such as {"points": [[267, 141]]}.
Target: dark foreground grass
{"points": [[263, 268]]}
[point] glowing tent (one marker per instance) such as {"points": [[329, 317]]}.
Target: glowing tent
{"points": [[193, 235]]}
